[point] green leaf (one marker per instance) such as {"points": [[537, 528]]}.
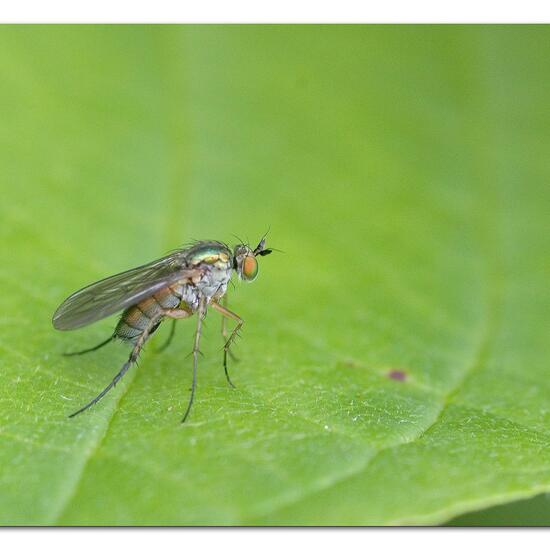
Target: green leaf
{"points": [[533, 512], [394, 360]]}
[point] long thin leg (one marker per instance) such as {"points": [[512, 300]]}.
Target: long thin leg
{"points": [[200, 315], [82, 352], [170, 337], [226, 313], [224, 330], [131, 360]]}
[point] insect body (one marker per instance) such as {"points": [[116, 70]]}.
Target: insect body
{"points": [[176, 286]]}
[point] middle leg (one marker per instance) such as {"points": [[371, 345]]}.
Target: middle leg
{"points": [[170, 336], [196, 350]]}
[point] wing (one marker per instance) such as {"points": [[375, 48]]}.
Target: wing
{"points": [[101, 299]]}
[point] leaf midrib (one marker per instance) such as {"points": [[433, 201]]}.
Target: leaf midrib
{"points": [[173, 208]]}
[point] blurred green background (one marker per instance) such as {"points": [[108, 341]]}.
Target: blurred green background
{"points": [[403, 170]]}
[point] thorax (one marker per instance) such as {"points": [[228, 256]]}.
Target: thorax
{"points": [[214, 264]]}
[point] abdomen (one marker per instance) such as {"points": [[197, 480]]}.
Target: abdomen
{"points": [[137, 318]]}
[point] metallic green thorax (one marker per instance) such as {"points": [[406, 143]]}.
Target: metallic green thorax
{"points": [[208, 252]]}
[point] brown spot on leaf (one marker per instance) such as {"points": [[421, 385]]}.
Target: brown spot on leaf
{"points": [[397, 374]]}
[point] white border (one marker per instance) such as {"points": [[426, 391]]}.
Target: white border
{"points": [[274, 539], [272, 11], [283, 11]]}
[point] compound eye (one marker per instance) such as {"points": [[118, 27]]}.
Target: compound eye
{"points": [[250, 268]]}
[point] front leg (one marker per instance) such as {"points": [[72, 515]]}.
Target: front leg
{"points": [[230, 315], [224, 329]]}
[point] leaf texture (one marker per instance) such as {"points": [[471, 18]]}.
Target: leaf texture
{"points": [[393, 365]]}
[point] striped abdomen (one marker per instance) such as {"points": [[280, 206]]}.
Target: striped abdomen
{"points": [[136, 318]]}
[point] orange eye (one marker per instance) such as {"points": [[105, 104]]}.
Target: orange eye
{"points": [[250, 268]]}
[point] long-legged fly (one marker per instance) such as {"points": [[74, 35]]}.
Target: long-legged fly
{"points": [[185, 282]]}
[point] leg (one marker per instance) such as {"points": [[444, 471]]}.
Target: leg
{"points": [[170, 337], [224, 329], [174, 314], [82, 352], [226, 313], [200, 315], [131, 360]]}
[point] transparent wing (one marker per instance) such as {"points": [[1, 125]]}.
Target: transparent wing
{"points": [[101, 299]]}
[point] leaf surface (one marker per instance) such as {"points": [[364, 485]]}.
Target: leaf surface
{"points": [[393, 365]]}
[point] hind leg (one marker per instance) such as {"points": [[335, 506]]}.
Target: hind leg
{"points": [[134, 354]]}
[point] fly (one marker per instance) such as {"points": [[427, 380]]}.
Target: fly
{"points": [[186, 282]]}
